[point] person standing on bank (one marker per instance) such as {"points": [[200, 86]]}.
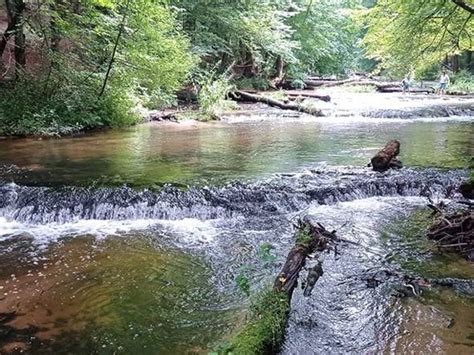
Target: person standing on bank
{"points": [[443, 83], [406, 84]]}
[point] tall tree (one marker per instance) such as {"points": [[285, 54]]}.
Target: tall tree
{"points": [[15, 27], [405, 34]]}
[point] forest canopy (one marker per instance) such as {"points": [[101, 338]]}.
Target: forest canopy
{"points": [[408, 35], [82, 64]]}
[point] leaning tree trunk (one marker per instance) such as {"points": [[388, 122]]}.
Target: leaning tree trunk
{"points": [[387, 157]]}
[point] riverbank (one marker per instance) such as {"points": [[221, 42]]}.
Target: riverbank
{"points": [[347, 102]]}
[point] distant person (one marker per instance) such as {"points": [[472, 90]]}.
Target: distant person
{"points": [[406, 84], [443, 83]]}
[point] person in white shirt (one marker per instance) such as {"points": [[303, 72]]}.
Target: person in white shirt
{"points": [[443, 83]]}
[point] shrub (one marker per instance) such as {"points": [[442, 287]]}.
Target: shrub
{"points": [[462, 81], [37, 106], [212, 96]]}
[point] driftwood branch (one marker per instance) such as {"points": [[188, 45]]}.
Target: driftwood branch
{"points": [[454, 232]]}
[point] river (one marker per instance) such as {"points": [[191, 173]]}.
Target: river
{"points": [[129, 241]]}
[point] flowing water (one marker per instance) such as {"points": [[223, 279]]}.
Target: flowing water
{"points": [[92, 266]]}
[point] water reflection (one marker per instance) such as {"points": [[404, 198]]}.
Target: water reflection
{"points": [[193, 153]]}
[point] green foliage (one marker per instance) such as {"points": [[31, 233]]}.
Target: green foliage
{"points": [[327, 37], [212, 96], [265, 254], [303, 236], [298, 84], [155, 54], [428, 72], [134, 49], [253, 83], [59, 106], [252, 36], [265, 328], [405, 34], [243, 282], [462, 81], [249, 34]]}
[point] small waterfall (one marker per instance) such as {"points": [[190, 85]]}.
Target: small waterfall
{"points": [[459, 110], [280, 194]]}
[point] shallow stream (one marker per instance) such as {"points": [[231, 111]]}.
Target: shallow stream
{"points": [[92, 266]]}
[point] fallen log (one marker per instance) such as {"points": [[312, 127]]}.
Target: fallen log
{"points": [[381, 86], [386, 158], [165, 115], [265, 331], [311, 237], [243, 96], [309, 94], [398, 88], [328, 83]]}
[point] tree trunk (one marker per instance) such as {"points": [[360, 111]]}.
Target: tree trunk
{"points": [[20, 39], [386, 158], [10, 27], [301, 93], [455, 63], [243, 96], [279, 73], [15, 10]]}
